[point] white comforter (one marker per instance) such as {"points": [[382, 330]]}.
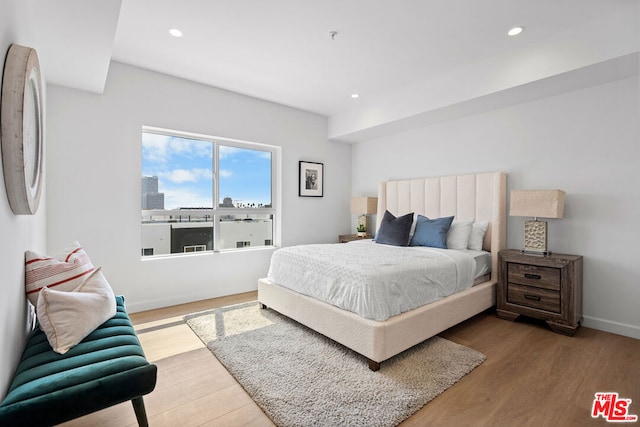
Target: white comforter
{"points": [[373, 280]]}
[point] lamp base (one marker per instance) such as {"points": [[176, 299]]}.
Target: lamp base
{"points": [[535, 237]]}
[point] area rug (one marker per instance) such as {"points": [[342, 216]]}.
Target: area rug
{"points": [[301, 378]]}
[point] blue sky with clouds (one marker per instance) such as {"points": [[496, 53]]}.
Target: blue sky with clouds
{"points": [[184, 168]]}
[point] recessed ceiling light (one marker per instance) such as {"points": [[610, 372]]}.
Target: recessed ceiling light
{"points": [[175, 32], [355, 95], [515, 31]]}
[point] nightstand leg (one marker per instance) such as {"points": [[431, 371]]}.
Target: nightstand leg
{"points": [[563, 329], [507, 315]]}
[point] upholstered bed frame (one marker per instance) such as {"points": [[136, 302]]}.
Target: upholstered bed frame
{"points": [[477, 196]]}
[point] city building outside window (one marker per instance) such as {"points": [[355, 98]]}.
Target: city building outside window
{"points": [[201, 193]]}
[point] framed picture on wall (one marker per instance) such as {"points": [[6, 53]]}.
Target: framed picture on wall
{"points": [[311, 176]]}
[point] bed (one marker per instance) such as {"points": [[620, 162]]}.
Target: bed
{"points": [[481, 197]]}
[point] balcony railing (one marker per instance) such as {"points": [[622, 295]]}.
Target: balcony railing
{"points": [[171, 231]]}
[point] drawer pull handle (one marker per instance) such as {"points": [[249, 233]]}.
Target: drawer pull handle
{"points": [[532, 297], [532, 276]]}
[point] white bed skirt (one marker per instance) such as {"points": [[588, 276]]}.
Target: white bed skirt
{"points": [[378, 340]]}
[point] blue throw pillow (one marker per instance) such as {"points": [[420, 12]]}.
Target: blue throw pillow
{"points": [[431, 232], [394, 231]]}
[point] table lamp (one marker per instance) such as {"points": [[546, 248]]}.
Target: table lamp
{"points": [[536, 204], [363, 206]]}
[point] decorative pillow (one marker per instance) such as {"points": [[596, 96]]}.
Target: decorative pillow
{"points": [[67, 318], [458, 235], [477, 235], [431, 232], [65, 272], [394, 231]]}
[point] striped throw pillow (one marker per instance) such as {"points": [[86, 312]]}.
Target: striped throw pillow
{"points": [[65, 272]]}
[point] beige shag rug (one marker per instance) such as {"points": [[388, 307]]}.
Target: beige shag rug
{"points": [[301, 378]]}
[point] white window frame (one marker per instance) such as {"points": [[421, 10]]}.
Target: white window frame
{"points": [[217, 211]]}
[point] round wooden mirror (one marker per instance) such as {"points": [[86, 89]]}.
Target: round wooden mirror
{"points": [[21, 129]]}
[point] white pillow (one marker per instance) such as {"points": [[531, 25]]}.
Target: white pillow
{"points": [[477, 235], [67, 318], [65, 272], [458, 235]]}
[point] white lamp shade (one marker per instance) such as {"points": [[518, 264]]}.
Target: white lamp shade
{"points": [[537, 203], [364, 205]]}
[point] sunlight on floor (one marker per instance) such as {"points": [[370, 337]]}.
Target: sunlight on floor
{"points": [[163, 332], [227, 321], [155, 338]]}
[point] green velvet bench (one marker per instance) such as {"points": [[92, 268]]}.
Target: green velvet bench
{"points": [[108, 367]]}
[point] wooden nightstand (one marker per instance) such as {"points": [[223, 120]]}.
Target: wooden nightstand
{"points": [[344, 238], [542, 287]]}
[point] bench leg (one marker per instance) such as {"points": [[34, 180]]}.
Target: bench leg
{"points": [[141, 413]]}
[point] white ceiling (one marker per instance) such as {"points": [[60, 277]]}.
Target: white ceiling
{"points": [[73, 38], [281, 50]]}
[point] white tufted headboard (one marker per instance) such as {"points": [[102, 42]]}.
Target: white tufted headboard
{"points": [[481, 197]]}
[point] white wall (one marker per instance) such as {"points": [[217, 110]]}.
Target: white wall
{"points": [[585, 142], [19, 233], [94, 169]]}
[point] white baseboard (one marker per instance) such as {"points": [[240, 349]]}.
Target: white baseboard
{"points": [[627, 330], [152, 304]]}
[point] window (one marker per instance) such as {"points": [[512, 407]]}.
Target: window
{"points": [[202, 193]]}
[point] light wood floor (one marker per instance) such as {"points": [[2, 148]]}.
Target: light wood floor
{"points": [[532, 376]]}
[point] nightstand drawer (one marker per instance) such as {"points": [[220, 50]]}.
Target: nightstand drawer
{"points": [[533, 275], [534, 297]]}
